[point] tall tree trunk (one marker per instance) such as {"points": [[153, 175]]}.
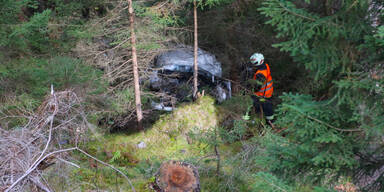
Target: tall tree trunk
{"points": [[139, 112], [195, 64]]}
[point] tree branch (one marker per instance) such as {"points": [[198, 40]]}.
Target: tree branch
{"points": [[331, 126], [324, 123], [32, 168]]}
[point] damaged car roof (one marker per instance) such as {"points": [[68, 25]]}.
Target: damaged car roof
{"points": [[181, 60]]}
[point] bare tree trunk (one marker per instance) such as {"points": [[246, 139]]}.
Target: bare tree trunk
{"points": [[217, 160], [217, 155], [195, 64], [139, 112]]}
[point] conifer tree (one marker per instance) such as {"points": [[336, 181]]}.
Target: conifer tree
{"points": [[331, 124]]}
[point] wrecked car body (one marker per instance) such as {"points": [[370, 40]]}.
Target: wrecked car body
{"points": [[173, 75]]}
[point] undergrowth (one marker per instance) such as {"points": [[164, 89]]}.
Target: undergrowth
{"points": [[190, 134]]}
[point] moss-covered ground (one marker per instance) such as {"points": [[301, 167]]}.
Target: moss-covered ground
{"points": [[186, 134], [168, 138]]}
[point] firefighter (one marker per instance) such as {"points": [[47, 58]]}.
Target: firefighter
{"points": [[262, 86]]}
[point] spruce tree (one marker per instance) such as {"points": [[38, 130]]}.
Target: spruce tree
{"points": [[338, 119]]}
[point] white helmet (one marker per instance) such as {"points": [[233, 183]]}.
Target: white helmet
{"points": [[257, 59]]}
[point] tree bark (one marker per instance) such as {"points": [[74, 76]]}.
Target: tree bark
{"points": [[139, 112], [195, 64]]}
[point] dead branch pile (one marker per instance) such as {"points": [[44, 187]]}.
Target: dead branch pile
{"points": [[57, 127], [26, 151]]}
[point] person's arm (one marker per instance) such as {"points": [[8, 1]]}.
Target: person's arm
{"points": [[258, 82]]}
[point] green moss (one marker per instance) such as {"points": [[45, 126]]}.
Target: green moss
{"points": [[202, 114], [167, 139]]}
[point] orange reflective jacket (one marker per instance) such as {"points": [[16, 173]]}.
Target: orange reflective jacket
{"points": [[267, 89]]}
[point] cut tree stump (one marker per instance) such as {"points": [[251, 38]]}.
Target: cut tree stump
{"points": [[175, 176]]}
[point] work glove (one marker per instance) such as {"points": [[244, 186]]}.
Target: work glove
{"points": [[246, 117]]}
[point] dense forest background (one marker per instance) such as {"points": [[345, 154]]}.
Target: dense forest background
{"points": [[326, 58]]}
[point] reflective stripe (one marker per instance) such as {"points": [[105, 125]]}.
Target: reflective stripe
{"points": [[269, 117], [266, 85], [262, 91]]}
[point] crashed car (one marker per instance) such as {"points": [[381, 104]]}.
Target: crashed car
{"points": [[173, 75]]}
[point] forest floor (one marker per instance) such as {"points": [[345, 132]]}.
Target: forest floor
{"points": [[188, 134], [184, 135]]}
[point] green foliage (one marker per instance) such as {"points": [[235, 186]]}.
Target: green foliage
{"points": [[378, 38], [339, 48], [321, 44], [34, 76], [209, 137], [25, 82], [201, 115], [266, 182], [31, 25], [312, 147], [33, 34], [9, 10], [124, 101], [342, 52], [23, 102], [116, 156], [206, 3], [148, 168], [74, 8], [211, 3], [237, 105], [237, 133], [8, 16], [157, 17]]}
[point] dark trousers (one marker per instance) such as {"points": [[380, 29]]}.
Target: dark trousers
{"points": [[266, 106]]}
